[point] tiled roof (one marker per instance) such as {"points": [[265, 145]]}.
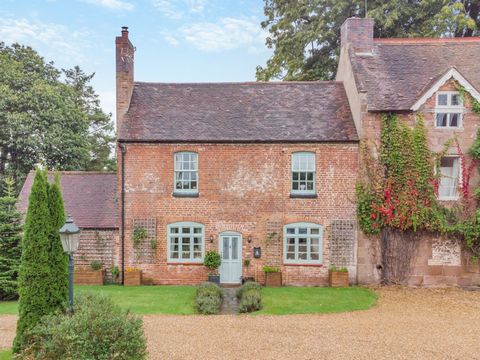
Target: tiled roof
{"points": [[239, 112], [89, 197], [400, 69]]}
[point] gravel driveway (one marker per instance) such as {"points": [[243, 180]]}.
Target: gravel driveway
{"points": [[406, 324]]}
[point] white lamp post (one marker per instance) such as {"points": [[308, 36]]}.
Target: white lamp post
{"points": [[70, 236]]}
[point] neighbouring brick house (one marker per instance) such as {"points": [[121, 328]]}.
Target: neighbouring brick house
{"points": [[91, 199], [266, 172], [407, 77]]}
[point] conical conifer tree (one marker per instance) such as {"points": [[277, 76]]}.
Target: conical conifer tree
{"points": [[10, 239], [58, 258], [35, 270]]}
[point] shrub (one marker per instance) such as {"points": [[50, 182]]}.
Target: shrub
{"points": [[247, 286], [271, 269], [96, 265], [98, 329], [338, 269], [139, 234], [251, 300], [208, 298], [212, 260]]}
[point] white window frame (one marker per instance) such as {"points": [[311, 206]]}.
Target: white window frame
{"points": [[459, 180], [181, 225], [449, 109], [309, 236], [178, 169], [293, 170]]}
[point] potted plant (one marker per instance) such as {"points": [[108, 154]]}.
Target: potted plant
{"points": [[273, 276], [133, 277], [246, 264], [212, 261], [92, 275], [338, 276]]}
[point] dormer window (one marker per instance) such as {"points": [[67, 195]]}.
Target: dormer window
{"points": [[448, 110]]}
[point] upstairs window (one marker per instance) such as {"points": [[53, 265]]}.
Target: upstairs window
{"points": [[449, 177], [448, 110], [186, 172], [303, 173]]}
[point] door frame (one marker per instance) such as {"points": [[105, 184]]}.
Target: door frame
{"points": [[240, 248]]}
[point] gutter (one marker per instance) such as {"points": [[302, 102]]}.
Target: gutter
{"points": [[123, 150]]}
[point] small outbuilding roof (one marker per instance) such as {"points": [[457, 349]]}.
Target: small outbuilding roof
{"points": [[89, 197]]}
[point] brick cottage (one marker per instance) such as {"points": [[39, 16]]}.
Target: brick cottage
{"points": [[265, 173]]}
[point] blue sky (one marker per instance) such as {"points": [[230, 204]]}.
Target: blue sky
{"points": [[176, 40]]}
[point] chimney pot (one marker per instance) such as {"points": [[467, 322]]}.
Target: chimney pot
{"points": [[125, 31]]}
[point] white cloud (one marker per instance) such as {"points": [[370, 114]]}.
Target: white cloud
{"points": [[177, 9], [225, 34], [57, 38], [111, 4]]}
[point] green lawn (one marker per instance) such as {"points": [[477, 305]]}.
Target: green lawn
{"points": [[278, 301], [139, 299], [308, 300], [5, 354]]}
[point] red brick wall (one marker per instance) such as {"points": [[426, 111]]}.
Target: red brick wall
{"points": [[243, 188], [423, 273], [97, 245]]}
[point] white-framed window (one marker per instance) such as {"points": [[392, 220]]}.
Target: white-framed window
{"points": [[185, 242], [303, 173], [186, 172], [449, 178], [448, 110], [303, 243]]}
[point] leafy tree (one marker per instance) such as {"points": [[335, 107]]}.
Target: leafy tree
{"points": [[305, 34], [58, 259], [10, 238], [101, 132], [47, 120], [34, 276]]}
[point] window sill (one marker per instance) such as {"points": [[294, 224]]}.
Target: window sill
{"points": [[455, 198], [303, 196], [303, 264], [185, 195], [185, 263]]}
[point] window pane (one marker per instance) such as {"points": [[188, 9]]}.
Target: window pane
{"points": [[291, 256], [302, 231], [455, 100], [296, 185], [290, 230], [197, 230], [295, 176], [314, 256], [310, 176], [442, 99], [309, 185], [174, 230], [234, 248], [226, 243], [454, 120], [314, 231], [442, 119]]}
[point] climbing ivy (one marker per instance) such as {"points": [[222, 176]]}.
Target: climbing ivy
{"points": [[399, 188]]}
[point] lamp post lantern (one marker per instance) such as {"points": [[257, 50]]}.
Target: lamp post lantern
{"points": [[70, 237]]}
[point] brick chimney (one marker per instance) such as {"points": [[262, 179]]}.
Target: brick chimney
{"points": [[358, 33], [124, 68]]}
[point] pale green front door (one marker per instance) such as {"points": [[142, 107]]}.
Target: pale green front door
{"points": [[231, 252]]}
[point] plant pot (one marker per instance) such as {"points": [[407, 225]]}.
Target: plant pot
{"points": [[273, 279], [83, 276], [247, 278], [133, 278], [338, 278], [214, 279]]}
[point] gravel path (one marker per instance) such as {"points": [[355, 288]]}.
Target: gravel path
{"points": [[406, 324]]}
